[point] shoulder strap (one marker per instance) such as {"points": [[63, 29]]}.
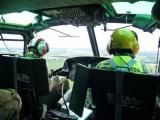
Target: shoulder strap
{"points": [[114, 66], [15, 72], [119, 95], [112, 63], [145, 69], [131, 63]]}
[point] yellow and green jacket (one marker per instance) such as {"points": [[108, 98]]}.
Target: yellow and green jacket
{"points": [[124, 63]]}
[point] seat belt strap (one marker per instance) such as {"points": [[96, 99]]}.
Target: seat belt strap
{"points": [[112, 63], [15, 72], [119, 76], [145, 70]]}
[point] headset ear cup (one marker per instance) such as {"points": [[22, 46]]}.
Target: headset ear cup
{"points": [[47, 47], [136, 47], [109, 47], [44, 50]]}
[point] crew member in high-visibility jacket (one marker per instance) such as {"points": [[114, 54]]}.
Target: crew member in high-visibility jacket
{"points": [[124, 46]]}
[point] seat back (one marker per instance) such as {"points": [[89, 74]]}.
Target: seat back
{"points": [[116, 95], [8, 72], [32, 74], [136, 95], [79, 90], [32, 84]]}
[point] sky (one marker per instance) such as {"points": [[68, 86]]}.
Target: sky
{"points": [[147, 41], [80, 38]]}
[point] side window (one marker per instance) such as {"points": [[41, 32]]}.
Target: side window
{"points": [[148, 43], [65, 42], [11, 43]]}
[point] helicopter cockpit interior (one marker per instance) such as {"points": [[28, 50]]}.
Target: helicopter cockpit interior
{"points": [[77, 32]]}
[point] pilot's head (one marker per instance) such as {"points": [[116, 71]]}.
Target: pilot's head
{"points": [[123, 41], [38, 46]]}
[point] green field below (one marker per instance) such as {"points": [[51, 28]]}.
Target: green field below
{"points": [[54, 63]]}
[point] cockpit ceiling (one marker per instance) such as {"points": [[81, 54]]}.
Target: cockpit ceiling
{"points": [[132, 1], [9, 6]]}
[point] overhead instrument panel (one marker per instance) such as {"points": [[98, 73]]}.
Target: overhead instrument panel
{"points": [[79, 15]]}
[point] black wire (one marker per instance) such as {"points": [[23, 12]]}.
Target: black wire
{"points": [[5, 44], [59, 32], [65, 100], [157, 61], [123, 27], [6, 47], [117, 28], [55, 30], [3, 20]]}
